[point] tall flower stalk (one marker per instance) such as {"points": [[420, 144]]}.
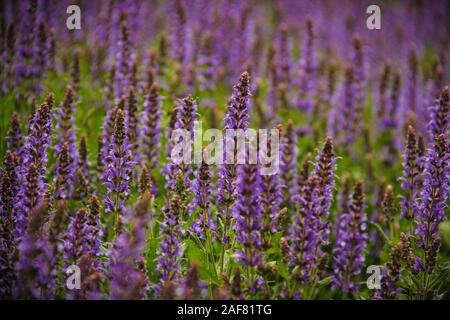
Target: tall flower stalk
{"points": [[34, 163], [237, 117], [350, 244], [308, 66], [169, 252], [410, 179], [65, 128], [117, 174], [433, 200], [247, 212], [150, 126]]}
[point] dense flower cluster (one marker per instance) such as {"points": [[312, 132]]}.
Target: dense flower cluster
{"points": [[97, 124]]}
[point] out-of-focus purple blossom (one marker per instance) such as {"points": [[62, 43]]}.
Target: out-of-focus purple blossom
{"points": [[346, 117], [383, 97], [283, 56], [412, 88], [192, 288], [151, 127], [9, 186], [392, 123], [75, 74], [15, 140], [308, 69], [179, 36], [36, 270], [132, 123], [125, 56], [8, 56], [348, 251], [439, 123], [23, 66], [433, 200], [207, 63], [127, 279], [359, 65], [288, 160]]}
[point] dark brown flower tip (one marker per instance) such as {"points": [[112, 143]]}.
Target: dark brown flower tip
{"points": [[49, 101], [236, 289], [192, 287], [358, 197], [244, 79], [327, 151], [119, 127], [143, 205], [145, 184], [38, 217], [413, 60], [445, 95], [121, 103], [356, 41], [83, 149], [388, 202], [309, 26], [154, 88]]}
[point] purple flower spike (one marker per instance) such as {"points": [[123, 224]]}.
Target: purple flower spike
{"points": [[169, 251], [439, 123], [117, 174], [288, 159], [75, 245], [66, 134], [127, 279], [15, 140], [325, 168], [238, 111], [271, 197], [36, 272], [201, 188], [304, 233], [349, 248], [247, 212], [63, 174], [150, 126], [410, 179], [433, 200], [399, 257], [186, 116], [308, 66], [9, 185]]}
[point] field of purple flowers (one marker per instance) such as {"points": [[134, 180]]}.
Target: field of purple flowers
{"points": [[88, 186]]}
